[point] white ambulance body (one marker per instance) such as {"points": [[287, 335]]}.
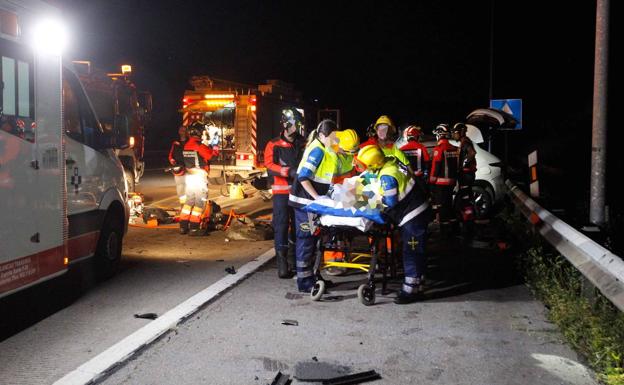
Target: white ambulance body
{"points": [[62, 189]]}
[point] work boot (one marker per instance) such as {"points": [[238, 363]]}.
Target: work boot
{"points": [[283, 270], [411, 292], [194, 229], [184, 227], [404, 298]]}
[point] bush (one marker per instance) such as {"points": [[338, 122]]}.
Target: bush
{"points": [[588, 320]]}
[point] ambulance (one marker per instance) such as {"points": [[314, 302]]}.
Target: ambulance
{"points": [[62, 188]]}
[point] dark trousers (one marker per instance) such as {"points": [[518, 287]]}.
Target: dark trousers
{"points": [[305, 250], [442, 197], [283, 223]]}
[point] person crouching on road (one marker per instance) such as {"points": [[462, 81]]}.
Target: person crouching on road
{"points": [[406, 205], [314, 177], [281, 158], [176, 160], [197, 162], [347, 147]]}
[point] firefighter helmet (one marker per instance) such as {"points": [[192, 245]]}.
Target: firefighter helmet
{"points": [[196, 129], [348, 140], [371, 156], [385, 128], [288, 118], [459, 127], [442, 131], [412, 133]]}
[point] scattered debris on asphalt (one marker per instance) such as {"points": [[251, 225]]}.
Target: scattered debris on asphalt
{"points": [[247, 229], [315, 359], [230, 269], [315, 371], [281, 379], [356, 378], [151, 316], [290, 322]]}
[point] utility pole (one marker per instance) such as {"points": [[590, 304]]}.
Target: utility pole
{"points": [[599, 119]]}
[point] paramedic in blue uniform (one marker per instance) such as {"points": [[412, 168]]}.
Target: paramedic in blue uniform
{"points": [[406, 205], [314, 177]]}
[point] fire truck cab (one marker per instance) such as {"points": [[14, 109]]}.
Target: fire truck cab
{"points": [[62, 187]]}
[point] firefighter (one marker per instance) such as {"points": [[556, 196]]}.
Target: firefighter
{"points": [[176, 160], [416, 152], [281, 158], [442, 177], [197, 162], [384, 135], [467, 165], [407, 206], [347, 147], [314, 177]]}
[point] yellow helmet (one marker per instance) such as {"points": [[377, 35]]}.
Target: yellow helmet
{"points": [[371, 156], [348, 140], [384, 119], [390, 131]]}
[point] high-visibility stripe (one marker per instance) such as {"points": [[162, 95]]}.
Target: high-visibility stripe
{"points": [[414, 213], [392, 191], [280, 187], [254, 126], [310, 166], [296, 199]]}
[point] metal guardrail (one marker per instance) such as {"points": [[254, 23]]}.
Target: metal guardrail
{"points": [[602, 268]]}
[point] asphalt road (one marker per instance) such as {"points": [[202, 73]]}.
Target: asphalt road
{"points": [[50, 330]]}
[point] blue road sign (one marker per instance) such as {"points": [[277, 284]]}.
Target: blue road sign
{"points": [[510, 106]]}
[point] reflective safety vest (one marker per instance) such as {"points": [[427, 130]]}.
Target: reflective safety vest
{"points": [[321, 176], [393, 151], [196, 155], [444, 168], [345, 168], [412, 200], [418, 156]]}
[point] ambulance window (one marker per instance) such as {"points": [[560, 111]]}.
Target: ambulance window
{"points": [[90, 127], [71, 112], [17, 115]]}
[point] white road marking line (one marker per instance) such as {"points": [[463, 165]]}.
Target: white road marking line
{"points": [[101, 364]]}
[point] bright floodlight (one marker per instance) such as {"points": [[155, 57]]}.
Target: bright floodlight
{"points": [[50, 36]]}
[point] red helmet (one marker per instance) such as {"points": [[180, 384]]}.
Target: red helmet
{"points": [[412, 133]]}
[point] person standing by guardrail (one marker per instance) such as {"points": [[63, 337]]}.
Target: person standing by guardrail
{"points": [[281, 158]]}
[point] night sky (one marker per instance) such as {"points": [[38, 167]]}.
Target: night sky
{"points": [[420, 62]]}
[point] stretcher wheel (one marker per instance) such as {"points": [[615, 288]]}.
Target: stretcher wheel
{"points": [[366, 294], [317, 291]]}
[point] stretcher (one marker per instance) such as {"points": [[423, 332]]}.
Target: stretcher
{"points": [[339, 249]]}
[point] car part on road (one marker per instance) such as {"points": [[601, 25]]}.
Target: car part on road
{"points": [[230, 270], [290, 322], [281, 379], [356, 378], [151, 316]]}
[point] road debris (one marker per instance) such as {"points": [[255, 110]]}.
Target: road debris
{"points": [[290, 322], [230, 269], [151, 316], [356, 378], [281, 379]]}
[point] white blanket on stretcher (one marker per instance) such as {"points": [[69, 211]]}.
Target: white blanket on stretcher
{"points": [[359, 223]]}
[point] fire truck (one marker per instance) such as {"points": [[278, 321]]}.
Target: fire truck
{"points": [[114, 94], [62, 188], [241, 118]]}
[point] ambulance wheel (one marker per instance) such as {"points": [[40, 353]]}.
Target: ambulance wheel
{"points": [[108, 252], [317, 291], [366, 294]]}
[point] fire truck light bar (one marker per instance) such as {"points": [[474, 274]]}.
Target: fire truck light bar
{"points": [[219, 96]]}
